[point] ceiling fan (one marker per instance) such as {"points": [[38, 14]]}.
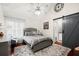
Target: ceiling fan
{"points": [[37, 10]]}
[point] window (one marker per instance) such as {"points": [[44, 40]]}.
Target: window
{"points": [[14, 29]]}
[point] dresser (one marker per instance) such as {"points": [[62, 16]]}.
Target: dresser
{"points": [[5, 48]]}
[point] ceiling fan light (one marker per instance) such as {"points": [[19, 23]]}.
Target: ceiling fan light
{"points": [[37, 12]]}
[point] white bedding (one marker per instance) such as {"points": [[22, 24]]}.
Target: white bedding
{"points": [[31, 39], [54, 50]]}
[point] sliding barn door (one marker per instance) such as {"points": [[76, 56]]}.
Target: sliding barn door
{"points": [[71, 30]]}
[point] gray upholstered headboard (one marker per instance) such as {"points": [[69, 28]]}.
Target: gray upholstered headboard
{"points": [[31, 31]]}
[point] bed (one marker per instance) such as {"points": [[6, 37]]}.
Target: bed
{"points": [[39, 45]]}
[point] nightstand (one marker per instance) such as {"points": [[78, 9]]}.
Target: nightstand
{"points": [[76, 51], [13, 44], [5, 48], [59, 42], [19, 42]]}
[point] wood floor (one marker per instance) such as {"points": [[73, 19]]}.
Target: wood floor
{"points": [[12, 48]]}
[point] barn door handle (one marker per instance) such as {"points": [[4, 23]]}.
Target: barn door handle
{"points": [[63, 31]]}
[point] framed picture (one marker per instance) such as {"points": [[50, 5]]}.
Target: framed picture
{"points": [[46, 25]]}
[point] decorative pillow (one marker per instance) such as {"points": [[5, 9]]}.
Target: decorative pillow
{"points": [[28, 34], [33, 33]]}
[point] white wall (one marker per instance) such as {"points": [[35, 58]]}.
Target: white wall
{"points": [[2, 22], [35, 22], [38, 21], [69, 8], [14, 28], [1, 18]]}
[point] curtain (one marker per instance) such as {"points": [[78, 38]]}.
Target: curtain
{"points": [[14, 29]]}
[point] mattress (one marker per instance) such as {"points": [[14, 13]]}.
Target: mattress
{"points": [[54, 50]]}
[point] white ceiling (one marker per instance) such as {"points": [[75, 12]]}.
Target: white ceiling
{"points": [[26, 10]]}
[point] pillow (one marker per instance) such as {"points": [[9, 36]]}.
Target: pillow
{"points": [[33, 33], [28, 34], [39, 33]]}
